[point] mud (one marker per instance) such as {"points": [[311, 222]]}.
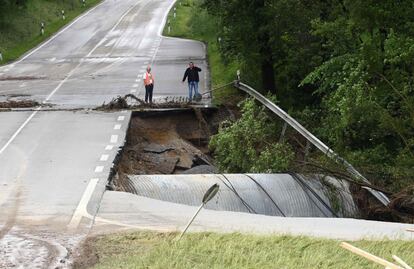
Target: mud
{"points": [[130, 101], [173, 142], [18, 104], [10, 78], [22, 248]]}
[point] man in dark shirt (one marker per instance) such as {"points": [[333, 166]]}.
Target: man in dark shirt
{"points": [[191, 74]]}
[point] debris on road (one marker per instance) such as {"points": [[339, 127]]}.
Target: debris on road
{"points": [[18, 104], [131, 101], [14, 78]]}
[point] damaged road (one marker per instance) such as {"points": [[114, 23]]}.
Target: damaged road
{"points": [[172, 142], [61, 157]]}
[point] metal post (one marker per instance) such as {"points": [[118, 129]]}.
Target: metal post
{"points": [[191, 220], [210, 193], [307, 148], [282, 134]]}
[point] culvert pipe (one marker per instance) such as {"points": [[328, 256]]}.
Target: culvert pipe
{"points": [[267, 194]]}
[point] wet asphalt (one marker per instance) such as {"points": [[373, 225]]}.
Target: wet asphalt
{"points": [[54, 165]]}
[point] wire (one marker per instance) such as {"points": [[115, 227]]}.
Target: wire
{"points": [[263, 189], [231, 187], [317, 196], [218, 87]]}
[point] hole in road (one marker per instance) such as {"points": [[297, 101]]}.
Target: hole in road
{"points": [[168, 142]]}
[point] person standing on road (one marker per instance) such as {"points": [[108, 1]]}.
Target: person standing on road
{"points": [[149, 85], [191, 74]]}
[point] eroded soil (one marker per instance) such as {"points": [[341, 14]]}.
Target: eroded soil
{"points": [[168, 143]]}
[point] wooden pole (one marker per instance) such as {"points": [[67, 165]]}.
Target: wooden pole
{"points": [[401, 262], [369, 256]]}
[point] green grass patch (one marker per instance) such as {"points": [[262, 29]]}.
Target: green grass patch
{"points": [[208, 250], [193, 22], [20, 26]]}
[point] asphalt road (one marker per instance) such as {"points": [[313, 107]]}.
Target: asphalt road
{"points": [[104, 54], [54, 164]]}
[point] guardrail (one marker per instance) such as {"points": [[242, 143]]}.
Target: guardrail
{"points": [[310, 137]]}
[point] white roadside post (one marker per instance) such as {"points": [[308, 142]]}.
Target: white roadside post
{"points": [[63, 15], [210, 193], [1, 57], [175, 12], [42, 28], [169, 26], [83, 2]]}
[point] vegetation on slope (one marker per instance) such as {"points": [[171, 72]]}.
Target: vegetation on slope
{"points": [[20, 23], [343, 68], [207, 250]]}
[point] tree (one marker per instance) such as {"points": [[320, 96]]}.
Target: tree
{"points": [[245, 26], [366, 82]]}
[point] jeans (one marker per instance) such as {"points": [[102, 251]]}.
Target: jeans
{"points": [[192, 85], [148, 92]]}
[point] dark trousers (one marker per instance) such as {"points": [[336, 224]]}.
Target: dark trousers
{"points": [[148, 93]]}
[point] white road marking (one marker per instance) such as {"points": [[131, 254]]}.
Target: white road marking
{"points": [[53, 59], [133, 91], [99, 169], [137, 80], [58, 33], [104, 157], [81, 210], [117, 126], [141, 71], [19, 130], [135, 86], [69, 74], [96, 46], [146, 62], [121, 118], [109, 147], [114, 139]]}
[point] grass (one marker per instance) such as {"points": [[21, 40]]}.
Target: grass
{"points": [[20, 27], [193, 22], [208, 250]]}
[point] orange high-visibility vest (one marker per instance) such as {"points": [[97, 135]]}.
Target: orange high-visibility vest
{"points": [[148, 79]]}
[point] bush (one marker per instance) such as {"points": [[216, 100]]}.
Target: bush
{"points": [[251, 143]]}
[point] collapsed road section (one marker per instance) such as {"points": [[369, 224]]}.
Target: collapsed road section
{"points": [[166, 157]]}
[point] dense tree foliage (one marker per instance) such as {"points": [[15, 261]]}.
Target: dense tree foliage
{"points": [[249, 144], [349, 63]]}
